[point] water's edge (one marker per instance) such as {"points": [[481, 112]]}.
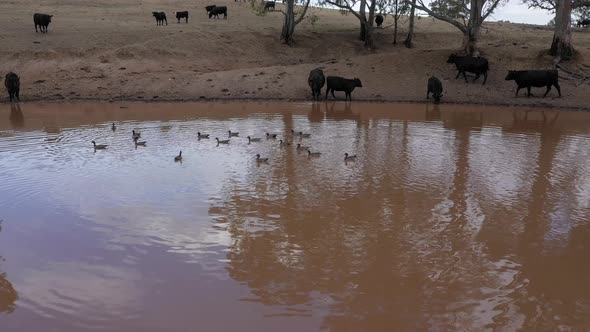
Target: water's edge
{"points": [[539, 105]]}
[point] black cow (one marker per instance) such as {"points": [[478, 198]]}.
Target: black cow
{"points": [[269, 4], [160, 18], [316, 81], [583, 23], [336, 83], [476, 65], [534, 78], [42, 20], [435, 87], [180, 15], [209, 8], [218, 10], [379, 20], [12, 84]]}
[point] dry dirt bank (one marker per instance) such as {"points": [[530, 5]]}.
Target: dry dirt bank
{"points": [[112, 50]]}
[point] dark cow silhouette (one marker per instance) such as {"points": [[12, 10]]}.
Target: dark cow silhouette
{"points": [[435, 87], [218, 10], [316, 81], [469, 64], [336, 83], [269, 4], [534, 78], [160, 18], [583, 23], [379, 20], [12, 84], [180, 15], [209, 8], [42, 20]]}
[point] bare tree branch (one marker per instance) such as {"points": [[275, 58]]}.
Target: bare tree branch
{"points": [[363, 19], [421, 6], [302, 15], [490, 9]]}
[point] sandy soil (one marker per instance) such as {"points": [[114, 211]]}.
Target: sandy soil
{"points": [[113, 50]]}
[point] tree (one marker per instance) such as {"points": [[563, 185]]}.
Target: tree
{"points": [[396, 8], [465, 15], [292, 17], [581, 13], [366, 22], [410, 37], [561, 45]]}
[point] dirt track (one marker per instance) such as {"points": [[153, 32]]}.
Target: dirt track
{"points": [[110, 50]]}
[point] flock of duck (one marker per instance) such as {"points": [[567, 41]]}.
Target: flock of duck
{"points": [[137, 135]]}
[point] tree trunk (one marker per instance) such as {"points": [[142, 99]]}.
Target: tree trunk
{"points": [[561, 47], [369, 42], [408, 42], [363, 32], [364, 18], [471, 32], [395, 18], [288, 24], [369, 25], [470, 38]]}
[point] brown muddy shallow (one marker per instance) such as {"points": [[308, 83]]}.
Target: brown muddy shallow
{"points": [[451, 218]]}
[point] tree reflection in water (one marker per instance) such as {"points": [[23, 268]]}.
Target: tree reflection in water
{"points": [[382, 252], [8, 295]]}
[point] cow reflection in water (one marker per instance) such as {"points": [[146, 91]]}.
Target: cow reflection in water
{"points": [[8, 295], [432, 112], [17, 119], [341, 111], [522, 122]]}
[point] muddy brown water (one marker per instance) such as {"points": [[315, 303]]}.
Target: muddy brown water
{"points": [[451, 218]]}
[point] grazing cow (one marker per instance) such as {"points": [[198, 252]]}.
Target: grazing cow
{"points": [[534, 78], [316, 81], [336, 83], [583, 23], [42, 20], [379, 20], [180, 15], [218, 10], [435, 87], [269, 4], [470, 64], [160, 18], [209, 8], [12, 84]]}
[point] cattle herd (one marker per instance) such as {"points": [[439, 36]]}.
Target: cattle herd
{"points": [[465, 64]]}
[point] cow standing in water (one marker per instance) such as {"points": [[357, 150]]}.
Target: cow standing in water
{"points": [[12, 84]]}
